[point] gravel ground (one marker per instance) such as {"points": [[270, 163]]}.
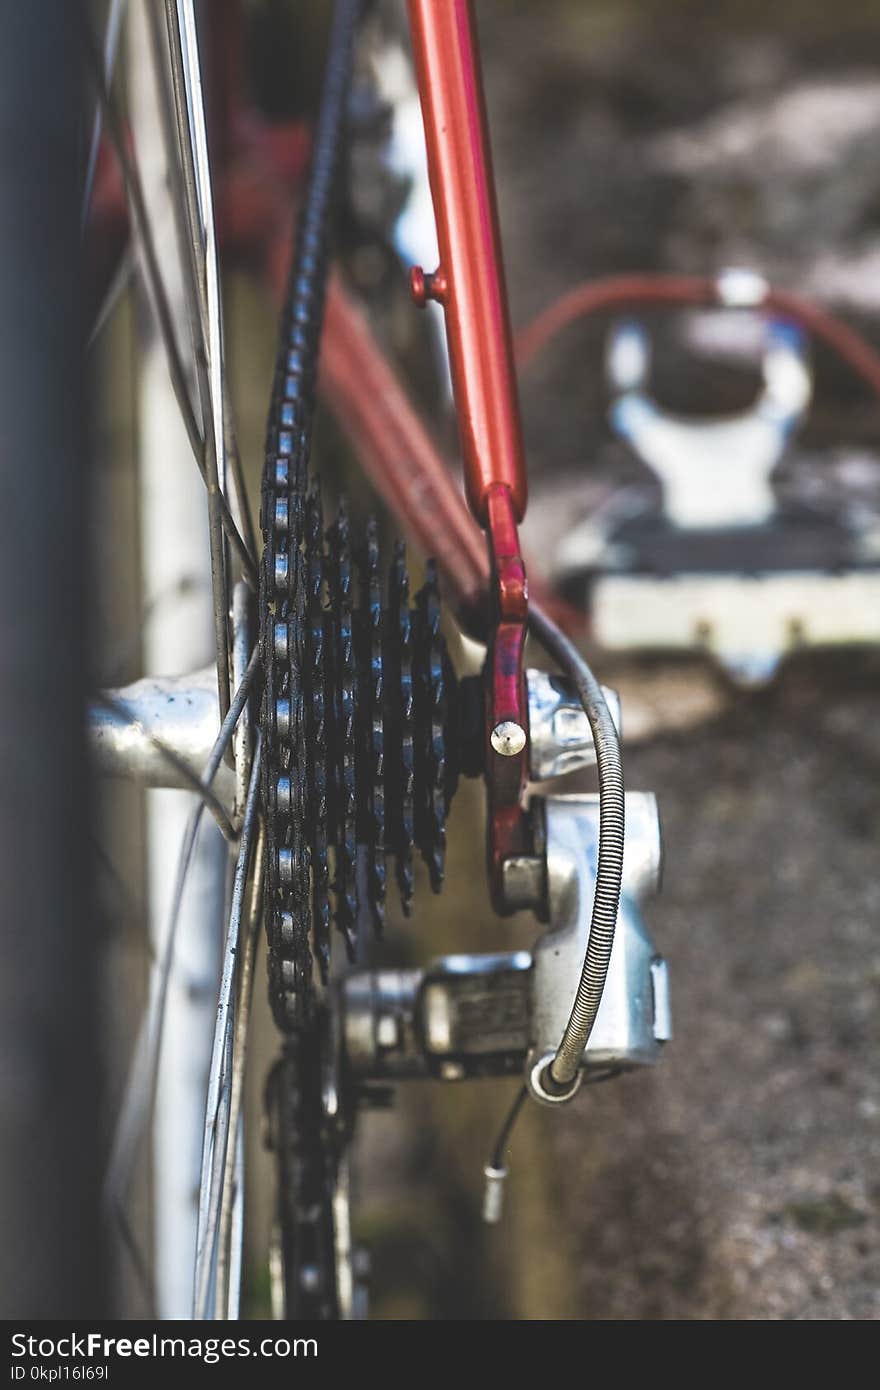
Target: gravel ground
{"points": [[740, 1179]]}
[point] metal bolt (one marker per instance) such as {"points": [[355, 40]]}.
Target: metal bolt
{"points": [[508, 738]]}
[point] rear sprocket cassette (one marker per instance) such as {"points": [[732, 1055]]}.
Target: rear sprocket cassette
{"points": [[361, 764]]}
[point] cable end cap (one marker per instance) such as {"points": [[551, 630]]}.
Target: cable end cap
{"points": [[493, 1194]]}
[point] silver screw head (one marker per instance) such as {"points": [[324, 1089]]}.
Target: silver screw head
{"points": [[508, 738]]}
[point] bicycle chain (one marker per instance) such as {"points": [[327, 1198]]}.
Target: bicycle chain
{"points": [[307, 1176], [357, 714], [358, 695]]}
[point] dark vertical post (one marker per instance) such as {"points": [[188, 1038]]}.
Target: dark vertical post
{"points": [[49, 1101]]}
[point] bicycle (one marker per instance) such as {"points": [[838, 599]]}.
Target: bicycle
{"points": [[371, 681]]}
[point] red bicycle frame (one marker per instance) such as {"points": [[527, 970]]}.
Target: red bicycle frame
{"points": [[469, 283]]}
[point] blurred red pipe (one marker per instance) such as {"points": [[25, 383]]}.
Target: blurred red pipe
{"points": [[681, 291]]}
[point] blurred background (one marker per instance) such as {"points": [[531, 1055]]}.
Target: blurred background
{"points": [[739, 1179]]}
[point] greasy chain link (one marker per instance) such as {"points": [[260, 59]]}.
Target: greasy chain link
{"points": [[358, 693]]}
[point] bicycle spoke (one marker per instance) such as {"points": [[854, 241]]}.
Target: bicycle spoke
{"points": [[231, 1309], [217, 1113], [194, 196], [175, 135], [115, 290], [138, 1260], [215, 456], [141, 1081], [154, 283], [159, 301], [131, 913], [227, 1295], [207, 238]]}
